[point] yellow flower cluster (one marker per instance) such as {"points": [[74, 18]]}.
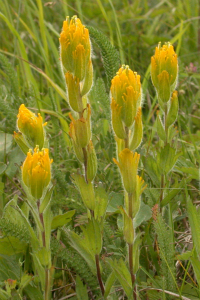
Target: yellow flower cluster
{"points": [[164, 71], [31, 126], [75, 55], [36, 171]]}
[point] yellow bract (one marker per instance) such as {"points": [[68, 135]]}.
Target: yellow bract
{"points": [[164, 70], [128, 164], [36, 171], [31, 126], [126, 92], [80, 130]]}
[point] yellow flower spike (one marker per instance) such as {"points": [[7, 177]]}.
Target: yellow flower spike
{"points": [[31, 126], [80, 130], [75, 50], [137, 131], [126, 91], [128, 164], [36, 171], [117, 123], [164, 70]]}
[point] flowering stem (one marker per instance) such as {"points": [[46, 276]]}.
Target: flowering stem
{"points": [[47, 277], [99, 274], [130, 249], [165, 124]]}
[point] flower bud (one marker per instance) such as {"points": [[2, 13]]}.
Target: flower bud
{"points": [[91, 162], [36, 171], [137, 131], [173, 109], [126, 92], [80, 130], [128, 164], [164, 70], [75, 50], [31, 126]]}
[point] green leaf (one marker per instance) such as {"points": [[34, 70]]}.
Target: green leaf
{"points": [[151, 167], [193, 172], [11, 245], [196, 266], [166, 158], [4, 295], [81, 289], [194, 221], [93, 236], [25, 280], [33, 292], [116, 200], [34, 239], [2, 167], [128, 230], [136, 253], [44, 257], [175, 189], [11, 213], [15, 157], [185, 255], [39, 269], [46, 200], [60, 220], [122, 274], [9, 267], [160, 129], [143, 215], [80, 245], [109, 283], [101, 202]]}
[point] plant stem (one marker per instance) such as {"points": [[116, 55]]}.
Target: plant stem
{"points": [[130, 248], [130, 254], [99, 275], [47, 277], [165, 125]]}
